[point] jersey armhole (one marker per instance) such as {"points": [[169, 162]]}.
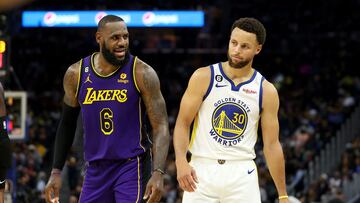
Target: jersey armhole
{"points": [[261, 94], [211, 82], [134, 74], [79, 79]]}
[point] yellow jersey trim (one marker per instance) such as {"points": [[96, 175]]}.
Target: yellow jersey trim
{"points": [[98, 74], [193, 134], [140, 127], [134, 74], [138, 194], [79, 78]]}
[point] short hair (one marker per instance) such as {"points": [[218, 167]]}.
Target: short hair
{"points": [[108, 19], [251, 25]]}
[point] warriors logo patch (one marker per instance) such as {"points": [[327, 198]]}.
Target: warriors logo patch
{"points": [[229, 122]]}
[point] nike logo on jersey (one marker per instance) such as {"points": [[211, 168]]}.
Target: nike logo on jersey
{"points": [[1, 182], [217, 85], [249, 172]]}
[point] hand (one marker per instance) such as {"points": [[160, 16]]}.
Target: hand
{"points": [[186, 176], [53, 186], [154, 188]]}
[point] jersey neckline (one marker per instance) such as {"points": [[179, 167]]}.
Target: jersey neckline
{"points": [[233, 86], [92, 63]]}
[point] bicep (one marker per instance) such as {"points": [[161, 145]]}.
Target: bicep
{"points": [[189, 106], [269, 115], [153, 99], [70, 84], [193, 96]]}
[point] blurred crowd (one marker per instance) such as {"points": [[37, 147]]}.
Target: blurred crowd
{"points": [[310, 56], [330, 186]]}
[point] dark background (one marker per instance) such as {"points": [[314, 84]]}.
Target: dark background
{"points": [[310, 55]]}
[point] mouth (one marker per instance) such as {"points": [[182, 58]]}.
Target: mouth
{"points": [[120, 52], [236, 59]]}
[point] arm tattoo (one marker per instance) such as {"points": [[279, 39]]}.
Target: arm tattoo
{"points": [[70, 84], [155, 102], [156, 109]]}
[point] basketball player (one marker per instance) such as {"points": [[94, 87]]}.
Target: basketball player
{"points": [[227, 100], [110, 88], [5, 148]]}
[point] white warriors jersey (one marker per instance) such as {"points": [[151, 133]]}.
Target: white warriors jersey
{"points": [[227, 122]]}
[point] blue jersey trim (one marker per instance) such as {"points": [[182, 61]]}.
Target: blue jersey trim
{"points": [[211, 82], [261, 95], [233, 86]]}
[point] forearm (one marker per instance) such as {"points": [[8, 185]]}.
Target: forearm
{"points": [[160, 147], [275, 161], [1, 195], [65, 135], [181, 141]]}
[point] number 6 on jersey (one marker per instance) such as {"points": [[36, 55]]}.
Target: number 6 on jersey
{"points": [[106, 122]]}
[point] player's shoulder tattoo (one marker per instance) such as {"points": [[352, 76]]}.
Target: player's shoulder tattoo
{"points": [[71, 77], [149, 79]]}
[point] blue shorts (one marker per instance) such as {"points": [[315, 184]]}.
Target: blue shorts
{"points": [[115, 181]]}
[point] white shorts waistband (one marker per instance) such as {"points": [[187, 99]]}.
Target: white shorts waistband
{"points": [[218, 161]]}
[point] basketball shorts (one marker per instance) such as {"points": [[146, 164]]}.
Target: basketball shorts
{"points": [[224, 181], [116, 181]]}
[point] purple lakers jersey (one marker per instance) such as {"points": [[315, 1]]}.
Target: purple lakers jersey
{"points": [[111, 112]]}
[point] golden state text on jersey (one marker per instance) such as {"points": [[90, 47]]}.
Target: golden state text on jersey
{"points": [[229, 121]]}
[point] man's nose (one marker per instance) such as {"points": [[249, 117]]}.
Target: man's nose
{"points": [[121, 42]]}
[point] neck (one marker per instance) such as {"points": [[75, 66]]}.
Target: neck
{"points": [[102, 64], [243, 72]]}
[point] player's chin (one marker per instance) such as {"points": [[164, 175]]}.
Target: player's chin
{"points": [[120, 59], [119, 55]]}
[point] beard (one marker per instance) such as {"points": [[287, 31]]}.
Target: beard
{"points": [[238, 65], [112, 59]]}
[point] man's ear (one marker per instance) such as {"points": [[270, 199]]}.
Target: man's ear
{"points": [[98, 37], [258, 48]]}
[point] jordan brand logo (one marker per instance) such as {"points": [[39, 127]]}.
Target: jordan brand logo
{"points": [[88, 79]]}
